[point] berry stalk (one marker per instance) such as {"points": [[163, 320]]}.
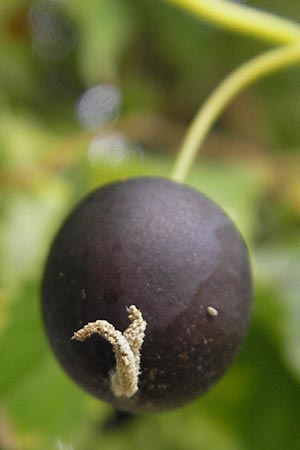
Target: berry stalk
{"points": [[242, 77], [243, 19]]}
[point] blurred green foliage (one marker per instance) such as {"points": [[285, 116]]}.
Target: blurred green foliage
{"points": [[163, 63]]}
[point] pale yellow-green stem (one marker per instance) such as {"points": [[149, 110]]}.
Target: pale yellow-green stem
{"points": [[243, 19], [242, 77]]}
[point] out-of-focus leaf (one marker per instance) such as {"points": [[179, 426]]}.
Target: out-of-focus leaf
{"points": [[105, 29], [280, 268], [30, 218], [32, 387], [23, 140]]}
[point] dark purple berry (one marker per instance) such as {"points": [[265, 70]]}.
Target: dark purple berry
{"points": [[176, 256]]}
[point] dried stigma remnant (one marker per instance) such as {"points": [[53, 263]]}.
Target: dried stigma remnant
{"points": [[126, 347]]}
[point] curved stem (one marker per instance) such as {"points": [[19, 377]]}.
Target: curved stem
{"points": [[242, 77], [243, 19]]}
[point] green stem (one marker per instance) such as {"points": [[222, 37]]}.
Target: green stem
{"points": [[243, 19], [239, 79]]}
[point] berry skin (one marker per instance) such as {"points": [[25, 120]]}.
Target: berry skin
{"points": [[174, 254]]}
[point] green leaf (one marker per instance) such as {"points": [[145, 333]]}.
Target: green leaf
{"points": [[105, 29], [279, 267], [38, 397]]}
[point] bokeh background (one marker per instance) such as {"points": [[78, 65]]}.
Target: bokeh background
{"points": [[94, 90]]}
